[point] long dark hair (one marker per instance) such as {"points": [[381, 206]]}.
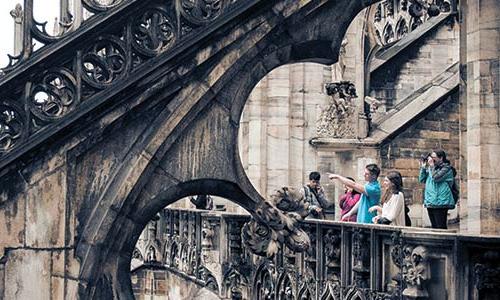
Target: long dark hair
{"points": [[441, 154], [397, 186], [354, 192]]}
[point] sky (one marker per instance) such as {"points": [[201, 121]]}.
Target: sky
{"points": [[44, 10]]}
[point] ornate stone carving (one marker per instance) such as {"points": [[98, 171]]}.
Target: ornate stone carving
{"points": [[97, 6], [184, 256], [361, 258], [11, 126], [390, 24], [306, 292], [285, 289], [201, 11], [415, 272], [235, 243], [486, 277], [193, 261], [173, 258], [104, 62], [332, 243], [151, 254], [487, 273], [17, 14], [234, 282], [209, 279], [207, 235], [270, 227], [354, 292], [137, 255], [331, 291], [53, 95], [264, 287], [338, 119], [153, 32], [397, 256], [332, 273], [112, 54]]}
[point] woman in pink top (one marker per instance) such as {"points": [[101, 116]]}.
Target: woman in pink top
{"points": [[347, 202]]}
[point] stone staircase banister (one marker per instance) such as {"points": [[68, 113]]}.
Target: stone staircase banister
{"points": [[79, 72]]}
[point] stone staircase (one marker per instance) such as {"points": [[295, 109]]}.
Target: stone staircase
{"points": [[92, 61], [416, 104]]}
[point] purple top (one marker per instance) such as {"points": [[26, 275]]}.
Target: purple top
{"points": [[346, 203]]}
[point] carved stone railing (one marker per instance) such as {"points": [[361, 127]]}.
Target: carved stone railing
{"points": [[42, 92], [393, 19], [346, 261], [31, 32]]}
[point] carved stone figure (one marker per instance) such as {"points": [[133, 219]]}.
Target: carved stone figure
{"points": [[151, 254], [416, 272], [361, 258], [207, 234], [338, 119], [270, 227], [332, 248]]}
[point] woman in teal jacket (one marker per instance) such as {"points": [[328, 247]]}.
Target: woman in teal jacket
{"points": [[438, 176]]}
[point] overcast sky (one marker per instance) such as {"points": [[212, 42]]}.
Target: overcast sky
{"points": [[44, 10]]}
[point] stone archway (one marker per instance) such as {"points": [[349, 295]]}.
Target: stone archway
{"points": [[190, 147]]}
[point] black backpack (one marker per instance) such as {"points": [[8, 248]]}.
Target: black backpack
{"points": [[454, 186]]}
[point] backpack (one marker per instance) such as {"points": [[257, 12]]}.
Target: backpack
{"points": [[454, 186]]}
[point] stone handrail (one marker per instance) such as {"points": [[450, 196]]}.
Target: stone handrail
{"points": [[345, 260], [45, 91]]}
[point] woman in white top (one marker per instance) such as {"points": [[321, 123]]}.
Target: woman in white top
{"points": [[392, 200]]}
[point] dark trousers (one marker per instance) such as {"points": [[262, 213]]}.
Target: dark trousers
{"points": [[438, 217]]}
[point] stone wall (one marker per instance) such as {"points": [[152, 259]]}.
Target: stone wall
{"points": [[437, 129], [480, 53], [277, 123], [36, 232]]}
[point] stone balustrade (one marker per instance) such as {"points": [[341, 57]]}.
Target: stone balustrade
{"points": [[345, 260]]}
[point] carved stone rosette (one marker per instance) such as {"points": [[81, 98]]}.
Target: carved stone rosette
{"points": [[271, 227]]}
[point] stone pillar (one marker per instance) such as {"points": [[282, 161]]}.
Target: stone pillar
{"points": [[76, 8], [481, 84], [298, 140], [17, 15], [278, 129], [253, 144]]}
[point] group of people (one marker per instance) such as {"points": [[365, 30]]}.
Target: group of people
{"points": [[369, 203]]}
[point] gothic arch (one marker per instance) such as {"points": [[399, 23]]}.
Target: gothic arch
{"points": [[285, 289], [173, 255], [193, 151], [263, 283], [152, 253], [401, 28]]}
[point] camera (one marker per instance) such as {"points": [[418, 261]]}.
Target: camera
{"points": [[424, 157]]}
